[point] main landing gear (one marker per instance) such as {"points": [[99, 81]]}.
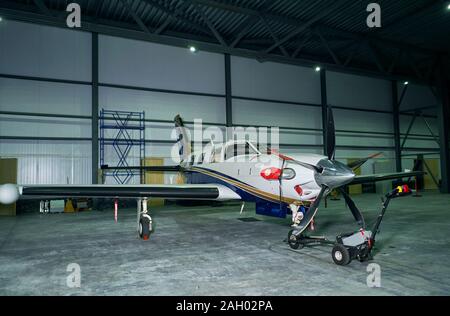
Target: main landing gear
{"points": [[144, 221], [355, 245]]}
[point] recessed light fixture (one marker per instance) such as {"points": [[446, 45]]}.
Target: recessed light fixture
{"points": [[406, 83], [448, 7], [192, 49], [317, 68], [1, 19]]}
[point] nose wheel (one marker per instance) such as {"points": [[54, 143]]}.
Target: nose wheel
{"points": [[294, 241], [145, 227], [145, 223]]}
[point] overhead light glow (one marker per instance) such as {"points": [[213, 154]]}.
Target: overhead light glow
{"points": [[1, 19], [317, 68], [406, 83], [192, 49], [448, 7]]}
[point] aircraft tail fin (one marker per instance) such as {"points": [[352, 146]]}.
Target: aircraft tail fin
{"points": [[184, 143]]}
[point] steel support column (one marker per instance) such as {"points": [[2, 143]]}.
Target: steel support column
{"points": [[324, 103], [94, 127], [396, 121], [228, 96], [444, 128]]}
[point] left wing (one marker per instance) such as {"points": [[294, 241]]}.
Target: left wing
{"points": [[385, 176], [10, 193]]}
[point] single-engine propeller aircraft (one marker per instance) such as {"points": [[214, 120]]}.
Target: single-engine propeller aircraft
{"points": [[235, 170]]}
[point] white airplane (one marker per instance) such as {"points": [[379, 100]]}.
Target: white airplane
{"points": [[235, 170]]}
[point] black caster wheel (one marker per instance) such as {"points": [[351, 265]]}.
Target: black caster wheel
{"points": [[294, 241], [341, 255], [145, 228]]}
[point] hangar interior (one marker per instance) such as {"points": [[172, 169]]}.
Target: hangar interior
{"points": [[255, 64]]}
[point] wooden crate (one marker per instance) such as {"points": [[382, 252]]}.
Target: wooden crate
{"points": [[433, 164], [356, 188], [154, 177], [8, 174]]}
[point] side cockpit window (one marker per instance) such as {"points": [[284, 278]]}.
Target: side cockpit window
{"points": [[235, 150]]}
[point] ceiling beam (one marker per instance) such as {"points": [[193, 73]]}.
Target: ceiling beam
{"points": [[97, 7], [135, 17], [176, 15], [42, 7], [211, 26], [327, 47], [249, 22], [177, 12], [246, 27], [375, 56], [273, 35], [394, 62], [306, 24], [303, 43]]}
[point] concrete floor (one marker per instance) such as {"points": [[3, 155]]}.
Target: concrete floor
{"points": [[208, 251]]}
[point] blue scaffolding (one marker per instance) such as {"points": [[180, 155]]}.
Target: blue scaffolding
{"points": [[129, 133]]}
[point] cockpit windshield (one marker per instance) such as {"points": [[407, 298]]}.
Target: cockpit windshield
{"points": [[240, 149]]}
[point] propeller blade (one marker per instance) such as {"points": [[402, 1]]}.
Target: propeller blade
{"points": [[353, 208], [280, 180], [311, 213], [331, 135], [358, 163], [303, 164]]}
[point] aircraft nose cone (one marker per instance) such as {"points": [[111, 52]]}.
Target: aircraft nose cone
{"points": [[346, 177], [335, 174]]}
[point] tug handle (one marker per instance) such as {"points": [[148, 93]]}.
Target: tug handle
{"points": [[401, 190]]}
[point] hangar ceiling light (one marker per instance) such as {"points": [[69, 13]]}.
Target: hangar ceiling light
{"points": [[192, 49], [317, 68]]}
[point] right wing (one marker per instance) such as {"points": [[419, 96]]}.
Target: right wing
{"points": [[385, 176]]}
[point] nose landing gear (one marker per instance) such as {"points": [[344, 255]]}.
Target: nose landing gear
{"points": [[144, 221]]}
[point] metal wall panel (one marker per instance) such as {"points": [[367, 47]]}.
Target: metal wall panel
{"points": [[358, 92], [276, 114], [11, 125], [268, 80], [164, 106], [143, 64], [417, 96], [363, 121], [44, 97], [43, 51]]}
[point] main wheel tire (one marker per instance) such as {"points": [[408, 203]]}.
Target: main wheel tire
{"points": [[341, 255], [144, 228], [293, 241]]}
